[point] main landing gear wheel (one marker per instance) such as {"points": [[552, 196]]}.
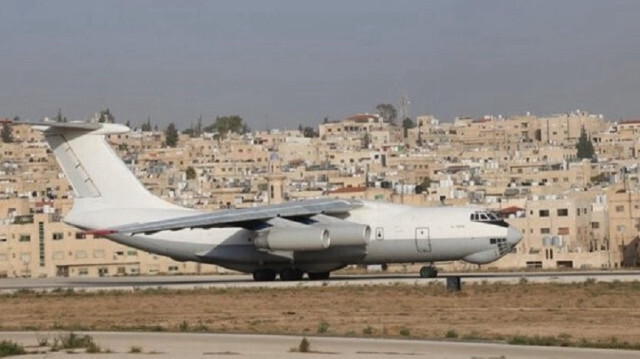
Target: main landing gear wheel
{"points": [[318, 275], [290, 274], [428, 272], [264, 275]]}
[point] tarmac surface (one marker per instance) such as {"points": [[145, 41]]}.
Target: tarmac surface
{"points": [[181, 345], [245, 281]]}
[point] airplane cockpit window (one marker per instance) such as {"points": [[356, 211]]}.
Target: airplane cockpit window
{"points": [[488, 217]]}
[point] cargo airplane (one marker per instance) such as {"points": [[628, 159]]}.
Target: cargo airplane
{"points": [[287, 240]]}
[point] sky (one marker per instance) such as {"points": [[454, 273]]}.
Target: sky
{"points": [[282, 63]]}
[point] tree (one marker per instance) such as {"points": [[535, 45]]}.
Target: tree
{"points": [[191, 173], [146, 127], [407, 123], [584, 146], [388, 112], [171, 136], [308, 131], [59, 117], [194, 131], [423, 186], [105, 116], [198, 130], [227, 124], [6, 134]]}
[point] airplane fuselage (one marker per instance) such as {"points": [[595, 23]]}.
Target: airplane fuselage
{"points": [[399, 234]]}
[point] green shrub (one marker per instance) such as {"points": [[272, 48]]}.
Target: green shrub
{"points": [[75, 341], [304, 346], [323, 327], [184, 326], [9, 348], [451, 333]]}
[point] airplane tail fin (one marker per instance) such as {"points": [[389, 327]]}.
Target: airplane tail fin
{"points": [[102, 183]]}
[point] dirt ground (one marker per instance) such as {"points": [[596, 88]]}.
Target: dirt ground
{"points": [[594, 311]]}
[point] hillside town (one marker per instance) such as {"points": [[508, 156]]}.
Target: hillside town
{"points": [[568, 182]]}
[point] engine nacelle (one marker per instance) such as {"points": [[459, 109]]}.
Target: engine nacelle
{"points": [[306, 238], [347, 234], [343, 233]]}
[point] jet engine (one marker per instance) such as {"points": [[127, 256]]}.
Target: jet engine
{"points": [[343, 233], [305, 238], [325, 231]]}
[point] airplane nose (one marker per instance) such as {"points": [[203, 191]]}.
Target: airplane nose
{"points": [[513, 236]]}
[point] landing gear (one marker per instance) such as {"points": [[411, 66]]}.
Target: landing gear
{"points": [[428, 272], [289, 274], [318, 275], [264, 275]]}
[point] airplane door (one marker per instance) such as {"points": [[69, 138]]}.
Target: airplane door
{"points": [[423, 243]]}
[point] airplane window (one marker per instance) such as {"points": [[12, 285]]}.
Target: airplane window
{"points": [[488, 217]]}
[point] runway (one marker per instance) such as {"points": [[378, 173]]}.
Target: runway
{"points": [[173, 345], [245, 281]]}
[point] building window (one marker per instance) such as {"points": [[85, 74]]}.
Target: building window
{"points": [[25, 238], [620, 208], [81, 254], [83, 271], [545, 230], [58, 236], [620, 228], [595, 225], [563, 212], [534, 264], [57, 255], [98, 253], [563, 230], [80, 235], [544, 213]]}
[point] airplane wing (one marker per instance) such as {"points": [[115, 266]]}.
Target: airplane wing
{"points": [[237, 216]]}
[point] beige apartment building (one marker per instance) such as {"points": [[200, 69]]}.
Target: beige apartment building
{"points": [[523, 167]]}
